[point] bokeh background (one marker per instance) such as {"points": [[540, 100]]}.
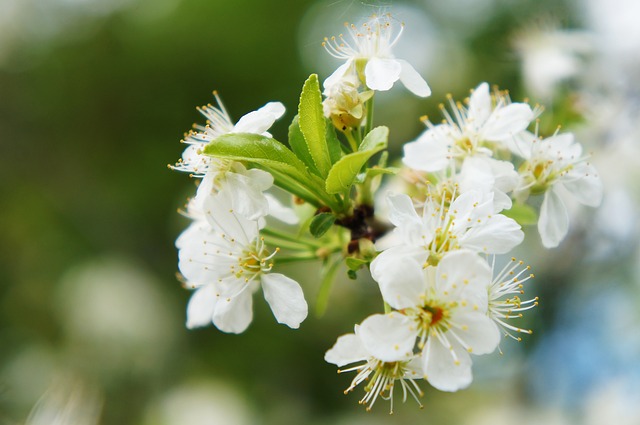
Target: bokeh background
{"points": [[94, 97]]}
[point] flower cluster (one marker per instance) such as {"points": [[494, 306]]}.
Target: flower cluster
{"points": [[469, 184], [221, 254]]}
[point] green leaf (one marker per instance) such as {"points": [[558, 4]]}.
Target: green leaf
{"points": [[524, 214], [313, 124], [328, 277], [274, 157], [321, 223], [375, 138], [299, 145], [344, 172]]}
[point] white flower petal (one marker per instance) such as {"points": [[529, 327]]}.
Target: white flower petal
{"points": [[497, 235], [553, 223], [233, 315], [399, 276], [280, 212], [478, 332], [247, 199], [479, 106], [412, 80], [388, 337], [347, 349], [505, 122], [261, 120], [221, 215], [584, 184], [463, 276], [380, 74], [336, 76], [430, 152], [446, 368], [201, 306], [286, 299]]}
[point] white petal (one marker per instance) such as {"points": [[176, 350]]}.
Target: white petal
{"points": [[412, 80], [195, 262], [477, 331], [221, 215], [280, 212], [388, 337], [233, 315], [400, 278], [497, 235], [522, 144], [505, 122], [476, 174], [285, 298], [430, 152], [261, 120], [463, 276], [347, 349], [479, 106], [337, 75], [380, 74], [247, 199], [553, 223], [201, 306], [584, 184], [409, 226], [446, 368]]}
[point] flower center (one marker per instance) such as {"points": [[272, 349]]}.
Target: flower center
{"points": [[253, 261]]}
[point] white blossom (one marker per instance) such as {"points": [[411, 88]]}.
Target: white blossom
{"points": [[369, 56], [468, 131], [468, 222], [221, 174], [225, 261], [556, 167], [448, 306], [384, 344]]}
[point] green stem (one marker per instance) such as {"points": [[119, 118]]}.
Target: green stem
{"points": [[369, 123], [352, 141], [295, 258], [278, 235]]}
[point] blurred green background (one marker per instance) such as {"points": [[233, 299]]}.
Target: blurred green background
{"points": [[96, 94]]}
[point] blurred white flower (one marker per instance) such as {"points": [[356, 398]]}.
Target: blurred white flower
{"points": [[200, 403], [551, 56], [115, 316], [67, 403]]}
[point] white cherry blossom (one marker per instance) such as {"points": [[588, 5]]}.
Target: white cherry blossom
{"points": [[225, 260], [383, 345], [448, 306], [556, 167], [468, 131], [369, 56], [468, 222]]}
